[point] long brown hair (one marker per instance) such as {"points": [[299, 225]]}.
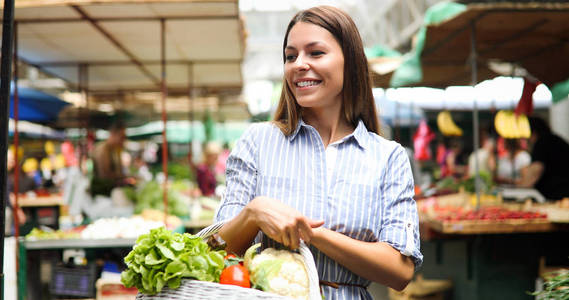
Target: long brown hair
{"points": [[357, 98]]}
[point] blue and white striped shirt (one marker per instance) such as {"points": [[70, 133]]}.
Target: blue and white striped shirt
{"points": [[368, 196]]}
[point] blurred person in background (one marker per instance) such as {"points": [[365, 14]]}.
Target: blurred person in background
{"points": [[485, 156], [510, 165], [549, 168], [108, 168], [205, 171], [447, 157]]}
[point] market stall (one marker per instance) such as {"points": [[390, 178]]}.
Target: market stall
{"points": [[124, 51], [488, 252]]}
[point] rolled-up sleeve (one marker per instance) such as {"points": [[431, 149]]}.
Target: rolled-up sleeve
{"points": [[241, 176], [400, 221]]}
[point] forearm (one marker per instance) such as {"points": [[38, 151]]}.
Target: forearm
{"points": [[531, 175], [239, 232], [376, 261]]}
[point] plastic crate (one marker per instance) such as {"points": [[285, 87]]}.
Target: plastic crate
{"points": [[113, 289], [75, 281]]}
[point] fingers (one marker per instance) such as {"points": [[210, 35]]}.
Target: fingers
{"points": [[293, 238], [316, 224], [306, 226], [285, 238]]}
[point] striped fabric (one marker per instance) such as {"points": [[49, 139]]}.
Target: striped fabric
{"points": [[368, 196]]}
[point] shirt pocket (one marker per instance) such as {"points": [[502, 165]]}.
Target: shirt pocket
{"points": [[354, 209]]}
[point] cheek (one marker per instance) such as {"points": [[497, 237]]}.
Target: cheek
{"points": [[288, 77]]}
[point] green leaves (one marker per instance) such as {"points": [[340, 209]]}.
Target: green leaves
{"points": [[150, 195], [162, 258], [556, 286]]}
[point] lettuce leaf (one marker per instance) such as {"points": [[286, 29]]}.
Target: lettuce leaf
{"points": [[162, 258]]}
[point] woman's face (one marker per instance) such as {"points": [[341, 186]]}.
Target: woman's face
{"points": [[314, 66]]}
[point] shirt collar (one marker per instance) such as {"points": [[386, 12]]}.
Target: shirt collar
{"points": [[360, 134], [297, 129]]}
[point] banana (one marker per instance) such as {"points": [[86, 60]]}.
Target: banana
{"points": [[510, 126], [446, 124], [499, 123], [513, 125], [523, 125], [441, 123]]}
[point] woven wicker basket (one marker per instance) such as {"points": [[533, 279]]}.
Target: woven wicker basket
{"points": [[194, 289]]}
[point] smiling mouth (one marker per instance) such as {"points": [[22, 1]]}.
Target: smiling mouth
{"points": [[307, 83]]}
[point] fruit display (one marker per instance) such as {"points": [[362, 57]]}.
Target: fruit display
{"points": [[490, 213], [112, 228], [47, 233], [510, 126], [446, 124]]}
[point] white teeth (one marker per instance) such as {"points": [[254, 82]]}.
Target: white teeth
{"points": [[306, 83]]}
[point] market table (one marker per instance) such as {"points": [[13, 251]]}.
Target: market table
{"points": [[55, 245], [491, 260], [41, 210]]}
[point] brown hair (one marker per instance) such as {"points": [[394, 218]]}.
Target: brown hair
{"points": [[357, 98]]}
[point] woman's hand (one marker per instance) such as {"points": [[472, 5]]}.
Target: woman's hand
{"points": [[281, 222]]}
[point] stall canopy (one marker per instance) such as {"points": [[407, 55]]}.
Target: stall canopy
{"points": [[185, 132], [112, 47], [36, 106], [34, 131], [530, 36]]}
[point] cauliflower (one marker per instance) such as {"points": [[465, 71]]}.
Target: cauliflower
{"points": [[278, 271]]}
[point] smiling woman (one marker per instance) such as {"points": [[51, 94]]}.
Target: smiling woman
{"points": [[320, 172]]}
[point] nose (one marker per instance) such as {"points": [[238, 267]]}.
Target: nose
{"points": [[301, 64]]}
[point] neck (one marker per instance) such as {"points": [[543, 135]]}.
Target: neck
{"points": [[331, 129]]}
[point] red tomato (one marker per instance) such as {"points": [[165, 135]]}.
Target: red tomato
{"points": [[228, 256], [235, 275]]}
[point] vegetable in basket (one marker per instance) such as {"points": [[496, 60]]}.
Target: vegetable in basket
{"points": [[162, 258], [278, 271], [235, 273]]}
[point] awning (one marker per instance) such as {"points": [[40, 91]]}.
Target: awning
{"points": [[36, 106], [119, 43], [532, 36]]}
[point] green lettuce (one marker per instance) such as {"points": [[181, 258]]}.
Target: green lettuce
{"points": [[162, 258]]}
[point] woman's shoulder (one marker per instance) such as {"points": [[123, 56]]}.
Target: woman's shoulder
{"points": [[260, 129], [385, 145]]}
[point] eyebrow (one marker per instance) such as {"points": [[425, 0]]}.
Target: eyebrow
{"points": [[311, 44]]}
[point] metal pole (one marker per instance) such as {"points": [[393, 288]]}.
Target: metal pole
{"points": [[164, 119], [16, 137], [191, 117], [474, 66], [5, 80], [83, 151]]}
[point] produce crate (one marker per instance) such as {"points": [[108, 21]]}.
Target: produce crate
{"points": [[113, 289], [74, 281], [491, 226], [422, 289]]}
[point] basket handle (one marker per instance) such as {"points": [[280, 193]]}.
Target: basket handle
{"points": [[313, 281]]}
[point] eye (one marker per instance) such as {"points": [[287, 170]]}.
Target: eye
{"points": [[290, 57], [317, 53]]}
